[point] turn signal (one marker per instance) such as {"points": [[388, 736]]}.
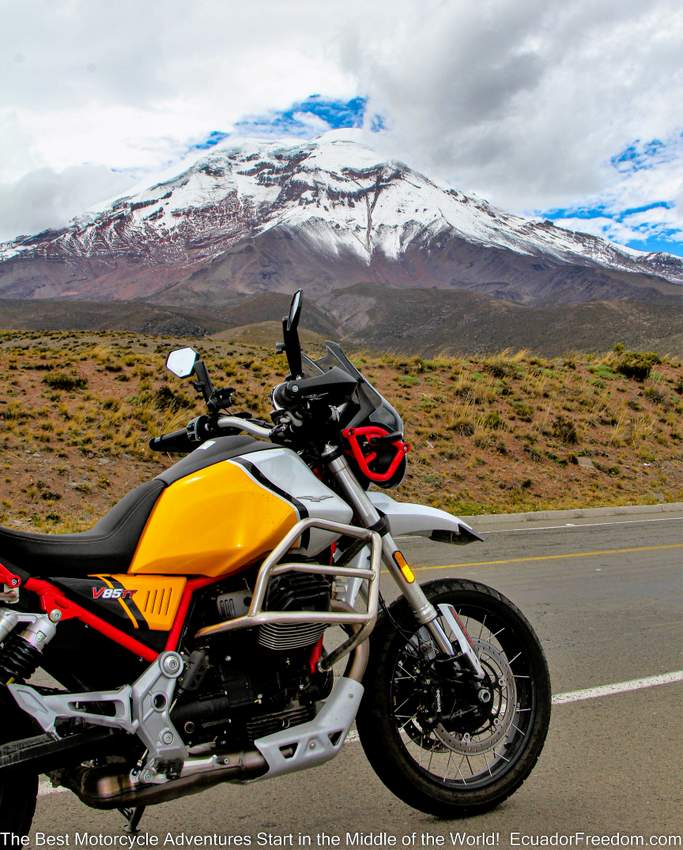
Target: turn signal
{"points": [[403, 565]]}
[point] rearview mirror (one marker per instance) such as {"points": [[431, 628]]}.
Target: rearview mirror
{"points": [[182, 362], [294, 311], [290, 335]]}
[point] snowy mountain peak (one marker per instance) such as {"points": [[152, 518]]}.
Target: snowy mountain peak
{"points": [[336, 198]]}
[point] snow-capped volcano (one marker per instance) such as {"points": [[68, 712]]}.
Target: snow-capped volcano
{"points": [[264, 215]]}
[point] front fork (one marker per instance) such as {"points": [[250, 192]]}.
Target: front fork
{"points": [[425, 613]]}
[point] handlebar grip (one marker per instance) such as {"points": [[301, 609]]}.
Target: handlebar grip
{"points": [[176, 441]]}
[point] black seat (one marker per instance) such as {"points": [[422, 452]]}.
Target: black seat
{"points": [[107, 547]]}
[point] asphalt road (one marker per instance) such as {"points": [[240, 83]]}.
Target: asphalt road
{"points": [[606, 598]]}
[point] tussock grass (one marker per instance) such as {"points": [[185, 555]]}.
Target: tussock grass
{"points": [[494, 433]]}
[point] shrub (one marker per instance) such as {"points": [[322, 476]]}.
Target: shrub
{"points": [[565, 431], [62, 381], [492, 420], [500, 367], [654, 395], [522, 411], [167, 399], [463, 427], [636, 365]]}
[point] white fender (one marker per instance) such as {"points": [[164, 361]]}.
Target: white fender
{"points": [[422, 521]]}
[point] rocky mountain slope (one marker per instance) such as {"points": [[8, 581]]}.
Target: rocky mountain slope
{"points": [[265, 217]]}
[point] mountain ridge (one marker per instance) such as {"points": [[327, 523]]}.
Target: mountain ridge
{"points": [[267, 216]]}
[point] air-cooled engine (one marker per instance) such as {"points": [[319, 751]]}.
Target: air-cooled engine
{"points": [[258, 681], [295, 592]]}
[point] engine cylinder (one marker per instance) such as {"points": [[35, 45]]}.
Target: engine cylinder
{"points": [[282, 637], [295, 592]]}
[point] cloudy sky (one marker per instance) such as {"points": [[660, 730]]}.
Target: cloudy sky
{"points": [[571, 111]]}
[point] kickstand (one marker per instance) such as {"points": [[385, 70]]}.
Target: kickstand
{"points": [[133, 815]]}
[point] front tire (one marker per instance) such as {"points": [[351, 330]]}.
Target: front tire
{"points": [[434, 737]]}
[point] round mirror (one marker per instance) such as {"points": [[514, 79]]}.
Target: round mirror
{"points": [[181, 361]]}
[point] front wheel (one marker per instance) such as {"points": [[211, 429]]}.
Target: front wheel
{"points": [[441, 740]]}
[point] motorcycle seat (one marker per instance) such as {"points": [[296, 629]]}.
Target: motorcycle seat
{"points": [[107, 547]]}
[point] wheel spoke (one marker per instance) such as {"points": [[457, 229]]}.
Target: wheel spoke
{"points": [[407, 722], [448, 764], [410, 696]]}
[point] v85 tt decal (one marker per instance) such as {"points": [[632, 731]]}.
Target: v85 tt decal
{"points": [[112, 593]]}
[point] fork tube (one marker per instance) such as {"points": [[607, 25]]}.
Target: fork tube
{"points": [[425, 613]]}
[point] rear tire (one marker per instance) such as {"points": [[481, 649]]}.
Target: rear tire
{"points": [[18, 789], [403, 751]]}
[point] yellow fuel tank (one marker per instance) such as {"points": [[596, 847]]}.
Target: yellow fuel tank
{"points": [[212, 522]]}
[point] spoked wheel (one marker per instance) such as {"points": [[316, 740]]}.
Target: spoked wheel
{"points": [[443, 741]]}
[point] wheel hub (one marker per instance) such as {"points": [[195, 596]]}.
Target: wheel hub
{"points": [[480, 723]]}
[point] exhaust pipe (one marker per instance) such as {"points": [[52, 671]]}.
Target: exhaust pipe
{"points": [[360, 653], [111, 791]]}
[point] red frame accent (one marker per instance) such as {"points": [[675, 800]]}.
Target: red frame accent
{"points": [[8, 577], [363, 460], [51, 598], [316, 655], [176, 630]]}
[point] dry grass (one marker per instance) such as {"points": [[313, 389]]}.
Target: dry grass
{"points": [[497, 433]]}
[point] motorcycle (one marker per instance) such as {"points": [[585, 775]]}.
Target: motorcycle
{"points": [[224, 622]]}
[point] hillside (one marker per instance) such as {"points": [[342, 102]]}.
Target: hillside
{"points": [[377, 318], [504, 432]]}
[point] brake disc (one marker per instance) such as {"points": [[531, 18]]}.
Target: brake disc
{"points": [[503, 705]]}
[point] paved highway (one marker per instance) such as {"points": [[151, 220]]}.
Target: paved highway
{"points": [[605, 595]]}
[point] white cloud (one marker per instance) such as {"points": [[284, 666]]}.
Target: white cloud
{"points": [[525, 102], [601, 226], [521, 101], [47, 198]]}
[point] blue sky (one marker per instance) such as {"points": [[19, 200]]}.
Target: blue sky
{"points": [[302, 119], [643, 226]]}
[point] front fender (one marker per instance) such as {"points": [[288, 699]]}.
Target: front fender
{"points": [[422, 521]]}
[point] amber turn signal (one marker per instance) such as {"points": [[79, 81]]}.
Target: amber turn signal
{"points": [[403, 565]]}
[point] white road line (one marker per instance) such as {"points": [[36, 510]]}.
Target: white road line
{"points": [[567, 525], [46, 788], [619, 687]]}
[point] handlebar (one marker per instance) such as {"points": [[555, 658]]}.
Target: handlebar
{"points": [[176, 441], [334, 385], [186, 439], [225, 422]]}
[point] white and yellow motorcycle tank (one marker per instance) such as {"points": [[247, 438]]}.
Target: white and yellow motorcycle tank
{"points": [[227, 504]]}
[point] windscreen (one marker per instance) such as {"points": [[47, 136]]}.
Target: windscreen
{"points": [[372, 407]]}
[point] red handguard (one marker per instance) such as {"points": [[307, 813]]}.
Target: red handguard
{"points": [[369, 432]]}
